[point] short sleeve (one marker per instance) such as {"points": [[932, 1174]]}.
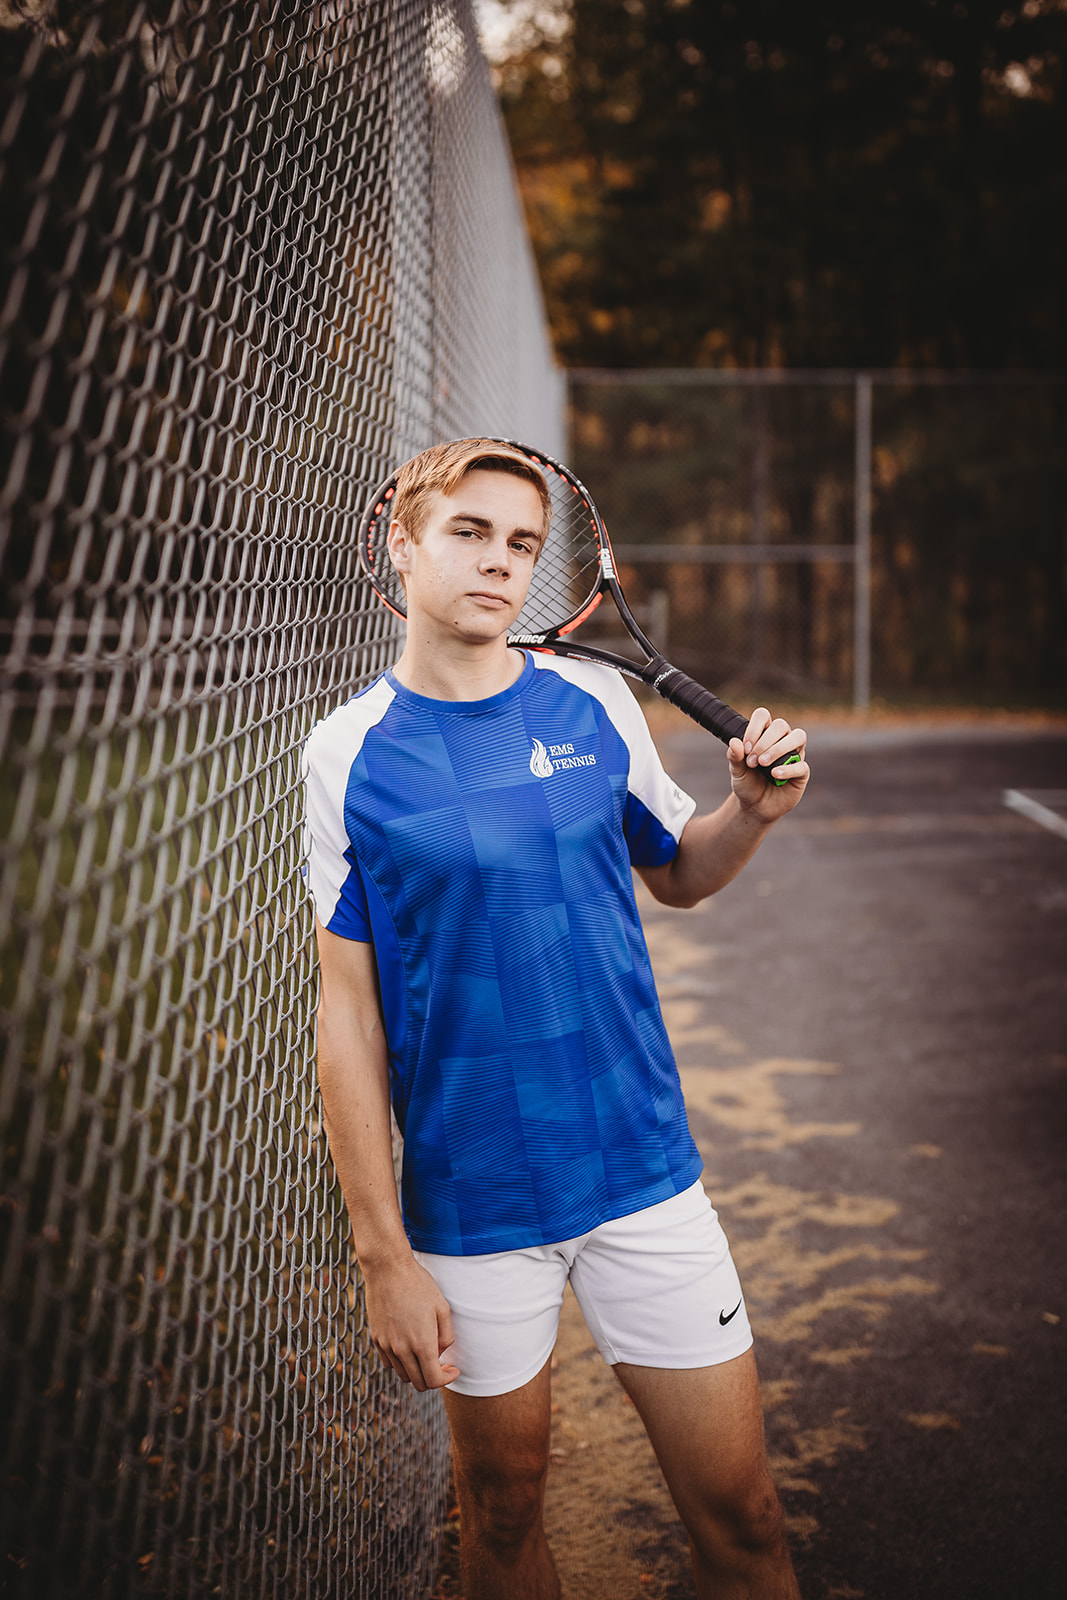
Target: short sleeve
{"points": [[330, 868]]}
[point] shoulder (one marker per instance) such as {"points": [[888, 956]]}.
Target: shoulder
{"points": [[340, 735], [647, 781], [605, 685]]}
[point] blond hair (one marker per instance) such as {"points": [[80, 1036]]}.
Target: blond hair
{"points": [[440, 470]]}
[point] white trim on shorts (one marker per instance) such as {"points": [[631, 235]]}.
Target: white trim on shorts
{"points": [[657, 1289]]}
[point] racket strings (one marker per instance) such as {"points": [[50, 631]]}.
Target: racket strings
{"points": [[386, 579], [567, 573]]}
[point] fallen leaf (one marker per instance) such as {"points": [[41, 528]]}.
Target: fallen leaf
{"points": [[934, 1419]]}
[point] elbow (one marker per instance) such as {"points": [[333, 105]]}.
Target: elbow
{"points": [[678, 895], [687, 902], [328, 1047]]}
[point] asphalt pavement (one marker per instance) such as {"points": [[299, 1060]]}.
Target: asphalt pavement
{"points": [[871, 1024]]}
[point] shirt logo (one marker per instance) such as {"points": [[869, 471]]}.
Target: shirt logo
{"points": [[556, 758], [540, 765]]}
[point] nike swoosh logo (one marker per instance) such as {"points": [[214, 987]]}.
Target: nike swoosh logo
{"points": [[728, 1316]]}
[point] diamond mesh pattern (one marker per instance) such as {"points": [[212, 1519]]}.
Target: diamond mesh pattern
{"points": [[245, 273]]}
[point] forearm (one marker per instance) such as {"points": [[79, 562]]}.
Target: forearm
{"points": [[714, 848], [407, 1316], [712, 852], [354, 1084]]}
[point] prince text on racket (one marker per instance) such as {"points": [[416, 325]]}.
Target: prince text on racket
{"points": [[474, 818]]}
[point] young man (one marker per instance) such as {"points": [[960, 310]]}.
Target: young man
{"points": [[473, 820]]}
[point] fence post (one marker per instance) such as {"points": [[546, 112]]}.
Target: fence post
{"points": [[760, 494], [861, 688]]}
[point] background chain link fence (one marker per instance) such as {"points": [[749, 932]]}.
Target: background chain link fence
{"points": [[731, 500], [255, 253]]}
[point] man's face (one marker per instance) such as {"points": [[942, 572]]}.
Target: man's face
{"points": [[469, 571]]}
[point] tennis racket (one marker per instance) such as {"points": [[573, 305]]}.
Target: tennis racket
{"points": [[575, 570]]}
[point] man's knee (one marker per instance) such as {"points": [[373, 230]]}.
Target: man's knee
{"points": [[503, 1504], [748, 1522], [759, 1520]]}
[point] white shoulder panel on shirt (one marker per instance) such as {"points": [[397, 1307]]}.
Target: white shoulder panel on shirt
{"points": [[329, 751]]}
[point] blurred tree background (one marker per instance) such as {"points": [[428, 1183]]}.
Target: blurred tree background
{"points": [[782, 183]]}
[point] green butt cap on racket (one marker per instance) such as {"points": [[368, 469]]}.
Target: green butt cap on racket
{"points": [[792, 760], [575, 570]]}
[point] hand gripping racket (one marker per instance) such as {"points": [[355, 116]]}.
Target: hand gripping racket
{"points": [[575, 570]]}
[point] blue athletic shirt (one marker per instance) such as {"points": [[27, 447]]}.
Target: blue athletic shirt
{"points": [[484, 848]]}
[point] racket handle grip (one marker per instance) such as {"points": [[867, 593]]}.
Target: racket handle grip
{"points": [[708, 710]]}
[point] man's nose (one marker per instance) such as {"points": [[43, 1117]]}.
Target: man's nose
{"points": [[496, 557]]}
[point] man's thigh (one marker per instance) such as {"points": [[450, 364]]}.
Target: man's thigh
{"points": [[503, 1438], [706, 1427]]}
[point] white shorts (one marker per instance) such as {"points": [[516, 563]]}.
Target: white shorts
{"points": [[657, 1289]]}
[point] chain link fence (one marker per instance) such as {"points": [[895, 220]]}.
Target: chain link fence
{"points": [[255, 253], [837, 534]]}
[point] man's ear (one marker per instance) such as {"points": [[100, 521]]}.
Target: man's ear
{"points": [[399, 543]]}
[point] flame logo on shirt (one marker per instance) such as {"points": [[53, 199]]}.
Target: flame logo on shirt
{"points": [[540, 764]]}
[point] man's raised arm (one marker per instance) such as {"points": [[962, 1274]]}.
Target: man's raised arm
{"points": [[714, 847], [408, 1317]]}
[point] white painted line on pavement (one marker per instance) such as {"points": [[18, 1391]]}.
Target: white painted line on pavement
{"points": [[1027, 806]]}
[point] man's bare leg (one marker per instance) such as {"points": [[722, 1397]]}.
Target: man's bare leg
{"points": [[500, 1462], [706, 1427]]}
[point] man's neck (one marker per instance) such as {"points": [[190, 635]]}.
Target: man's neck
{"points": [[462, 673]]}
